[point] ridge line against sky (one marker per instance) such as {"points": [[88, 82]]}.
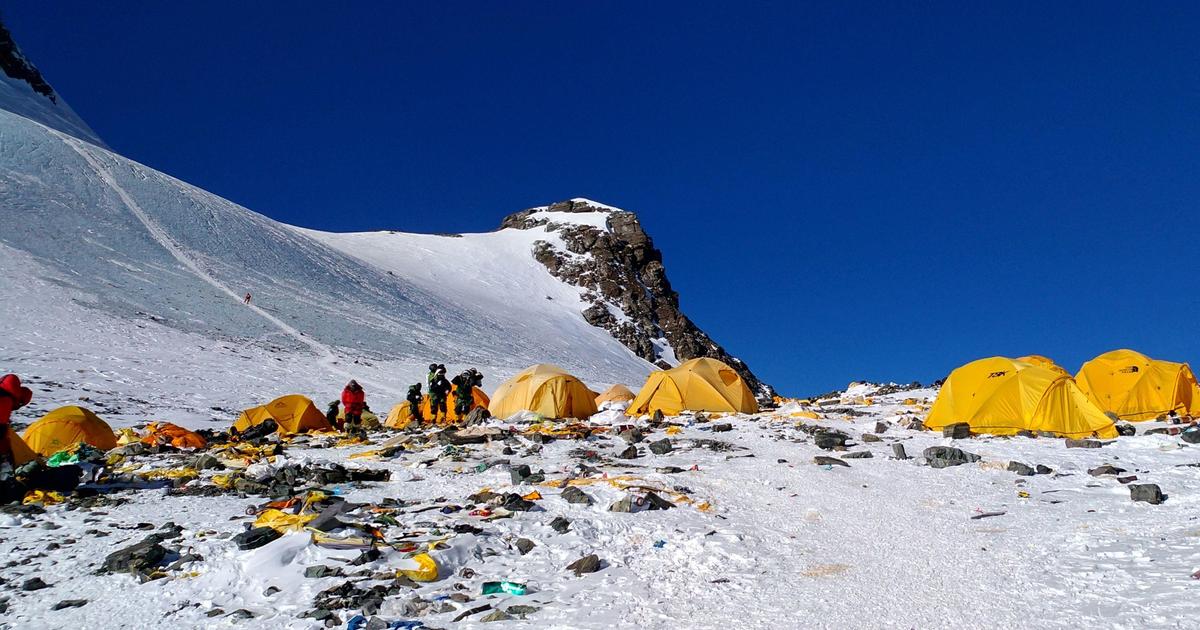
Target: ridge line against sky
{"points": [[840, 192]]}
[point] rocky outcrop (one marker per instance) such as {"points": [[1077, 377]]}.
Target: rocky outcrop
{"points": [[624, 281], [14, 64]]}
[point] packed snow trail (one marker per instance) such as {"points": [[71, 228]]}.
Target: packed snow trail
{"points": [[325, 357]]}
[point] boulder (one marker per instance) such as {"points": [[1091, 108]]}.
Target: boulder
{"points": [[829, 440], [524, 545], [1147, 492], [1020, 469], [586, 564], [139, 558], [957, 431], [946, 456], [661, 447], [859, 455], [898, 451], [630, 452], [1106, 469], [871, 437], [1083, 443], [571, 494], [560, 525], [822, 460]]}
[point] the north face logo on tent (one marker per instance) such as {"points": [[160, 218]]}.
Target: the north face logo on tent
{"points": [[1128, 370], [997, 374]]}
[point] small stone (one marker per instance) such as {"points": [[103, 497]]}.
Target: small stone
{"points": [[630, 452], [1191, 436], [1042, 469], [321, 570], [271, 590], [1083, 443], [1020, 469], [461, 598], [871, 437], [33, 584], [560, 525], [822, 460], [69, 603], [1106, 469], [859, 455], [632, 436], [241, 613], [216, 612], [946, 456], [1126, 429], [495, 615], [661, 447], [524, 545], [571, 494], [586, 564], [1147, 492], [881, 427], [957, 431], [520, 610], [828, 440], [898, 451], [722, 427]]}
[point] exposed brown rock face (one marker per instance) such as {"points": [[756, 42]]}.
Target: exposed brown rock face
{"points": [[625, 284]]}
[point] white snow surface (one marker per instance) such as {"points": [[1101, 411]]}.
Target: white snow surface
{"points": [[884, 543]]}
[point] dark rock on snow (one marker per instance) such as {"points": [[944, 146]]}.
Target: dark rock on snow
{"points": [[1147, 492], [946, 456], [586, 564]]}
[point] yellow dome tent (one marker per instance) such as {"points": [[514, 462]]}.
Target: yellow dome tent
{"points": [[66, 426], [293, 413], [400, 417], [1045, 362], [1136, 387], [616, 393], [21, 452], [543, 389], [1002, 396], [698, 385]]}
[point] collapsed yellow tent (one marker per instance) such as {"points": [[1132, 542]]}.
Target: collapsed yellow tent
{"points": [[1045, 362], [400, 416], [293, 413], [543, 389], [698, 385], [616, 393], [67, 426], [1136, 387], [21, 452], [1002, 396]]}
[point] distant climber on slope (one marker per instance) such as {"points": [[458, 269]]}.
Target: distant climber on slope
{"points": [[247, 300], [439, 388], [354, 399], [414, 402], [13, 396]]}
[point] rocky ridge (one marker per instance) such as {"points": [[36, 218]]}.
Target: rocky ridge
{"points": [[610, 264]]}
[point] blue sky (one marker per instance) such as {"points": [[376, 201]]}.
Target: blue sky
{"points": [[841, 191]]}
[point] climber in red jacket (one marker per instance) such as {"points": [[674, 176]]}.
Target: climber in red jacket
{"points": [[13, 396], [354, 400]]}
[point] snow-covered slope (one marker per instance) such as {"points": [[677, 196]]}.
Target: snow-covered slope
{"points": [[24, 91], [146, 248]]}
